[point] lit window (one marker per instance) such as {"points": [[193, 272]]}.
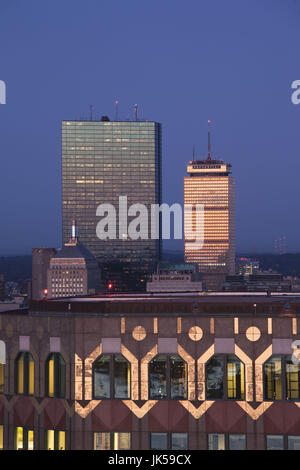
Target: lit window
{"points": [[55, 376], [55, 440], [24, 373], [216, 441], [112, 441], [168, 377], [24, 439], [275, 369], [111, 376]]}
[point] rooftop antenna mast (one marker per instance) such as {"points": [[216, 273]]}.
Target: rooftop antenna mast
{"points": [[136, 112], [209, 145], [193, 153], [91, 112], [117, 110]]}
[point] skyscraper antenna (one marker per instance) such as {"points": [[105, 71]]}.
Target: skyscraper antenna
{"points": [[209, 145], [193, 153], [136, 112], [117, 110], [91, 112]]}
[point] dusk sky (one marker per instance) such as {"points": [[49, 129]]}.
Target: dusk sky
{"points": [[182, 62]]}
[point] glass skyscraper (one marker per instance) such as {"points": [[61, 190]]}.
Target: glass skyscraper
{"points": [[102, 160]]}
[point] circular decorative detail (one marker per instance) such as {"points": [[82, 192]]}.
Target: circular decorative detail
{"points": [[9, 330], [139, 333], [40, 332], [253, 333], [195, 333]]}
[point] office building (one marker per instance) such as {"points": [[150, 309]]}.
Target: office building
{"points": [[73, 270], [40, 263], [149, 372], [101, 161], [210, 183], [261, 282], [247, 266]]}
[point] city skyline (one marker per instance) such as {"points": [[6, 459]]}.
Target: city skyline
{"points": [[213, 67]]}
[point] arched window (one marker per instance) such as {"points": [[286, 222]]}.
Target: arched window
{"points": [[277, 368], [111, 376], [55, 376], [168, 377], [24, 373], [273, 378], [225, 378]]}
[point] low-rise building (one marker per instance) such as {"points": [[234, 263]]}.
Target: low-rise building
{"points": [[178, 278], [73, 270]]}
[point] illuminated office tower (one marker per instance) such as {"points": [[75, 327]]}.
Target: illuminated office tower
{"points": [[102, 160], [209, 183]]}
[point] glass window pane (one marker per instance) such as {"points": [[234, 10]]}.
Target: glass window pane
{"points": [[51, 377], [272, 379], [159, 441], [19, 438], [179, 441], [101, 441], [30, 437], [30, 375], [61, 440], [121, 377], [237, 442], [121, 441], [50, 440], [158, 377], [216, 442], [178, 374], [293, 442], [292, 379], [102, 377], [20, 369], [235, 378], [62, 376], [214, 377], [275, 442]]}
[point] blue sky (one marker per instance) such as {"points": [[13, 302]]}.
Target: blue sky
{"points": [[183, 62]]}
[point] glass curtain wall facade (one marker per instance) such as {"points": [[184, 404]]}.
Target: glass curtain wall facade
{"points": [[102, 160]]}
